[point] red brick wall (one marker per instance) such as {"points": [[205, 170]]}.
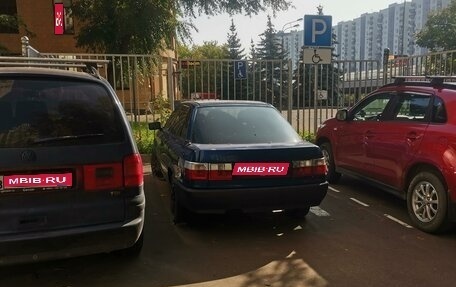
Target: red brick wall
{"points": [[38, 15]]}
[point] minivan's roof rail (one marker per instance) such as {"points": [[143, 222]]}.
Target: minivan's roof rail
{"points": [[87, 65], [435, 80]]}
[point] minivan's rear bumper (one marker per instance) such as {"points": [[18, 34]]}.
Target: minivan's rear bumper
{"points": [[72, 242], [251, 199]]}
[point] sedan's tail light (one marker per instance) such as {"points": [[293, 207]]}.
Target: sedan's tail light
{"points": [[311, 167], [206, 171]]}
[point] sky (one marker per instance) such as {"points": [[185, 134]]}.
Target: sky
{"points": [[216, 28]]}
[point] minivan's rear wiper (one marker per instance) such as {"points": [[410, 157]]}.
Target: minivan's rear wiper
{"points": [[64, 138]]}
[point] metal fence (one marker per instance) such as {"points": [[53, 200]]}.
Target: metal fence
{"points": [[145, 83]]}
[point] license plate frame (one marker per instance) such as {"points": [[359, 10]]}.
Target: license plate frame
{"points": [[260, 169], [40, 181]]}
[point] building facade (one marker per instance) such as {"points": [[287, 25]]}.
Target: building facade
{"points": [[50, 32], [366, 37], [38, 17], [393, 28]]}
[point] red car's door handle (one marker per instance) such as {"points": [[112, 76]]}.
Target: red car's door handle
{"points": [[413, 136]]}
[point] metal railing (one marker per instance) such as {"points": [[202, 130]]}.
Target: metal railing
{"points": [[141, 81]]}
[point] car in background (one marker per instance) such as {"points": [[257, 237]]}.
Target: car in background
{"points": [[221, 156], [71, 178], [401, 138]]}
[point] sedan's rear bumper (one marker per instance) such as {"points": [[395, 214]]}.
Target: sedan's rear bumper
{"points": [[251, 199]]}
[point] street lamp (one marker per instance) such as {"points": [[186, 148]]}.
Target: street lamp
{"points": [[282, 32]]}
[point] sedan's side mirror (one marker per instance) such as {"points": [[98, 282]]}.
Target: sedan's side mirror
{"points": [[342, 115], [155, 126]]}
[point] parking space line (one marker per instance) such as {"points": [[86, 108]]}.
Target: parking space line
{"points": [[333, 189], [318, 211], [359, 202], [398, 221]]}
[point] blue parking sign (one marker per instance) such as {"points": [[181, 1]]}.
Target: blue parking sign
{"points": [[240, 70], [317, 31]]}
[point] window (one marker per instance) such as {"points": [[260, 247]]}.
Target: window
{"points": [[68, 16], [43, 112], [177, 124], [439, 114], [8, 7], [411, 107], [372, 108], [241, 125]]}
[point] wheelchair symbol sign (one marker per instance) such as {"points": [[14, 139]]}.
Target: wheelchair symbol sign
{"points": [[240, 70]]}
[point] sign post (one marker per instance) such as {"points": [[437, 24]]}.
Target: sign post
{"points": [[317, 48]]}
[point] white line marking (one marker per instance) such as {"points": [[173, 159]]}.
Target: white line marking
{"points": [[359, 202], [333, 189], [397, 221], [318, 211]]}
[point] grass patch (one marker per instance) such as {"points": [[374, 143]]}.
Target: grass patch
{"points": [[143, 137]]}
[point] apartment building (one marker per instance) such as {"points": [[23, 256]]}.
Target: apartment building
{"points": [[368, 35], [292, 43], [393, 27]]}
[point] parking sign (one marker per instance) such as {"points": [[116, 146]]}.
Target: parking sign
{"points": [[240, 70], [317, 31]]}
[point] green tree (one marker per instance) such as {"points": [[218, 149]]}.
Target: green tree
{"points": [[202, 76], [125, 26], [12, 23], [439, 31], [270, 47], [234, 43], [253, 53], [147, 26], [272, 71]]}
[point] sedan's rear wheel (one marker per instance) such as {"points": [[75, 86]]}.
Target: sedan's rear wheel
{"points": [[333, 176], [178, 211], [427, 202]]}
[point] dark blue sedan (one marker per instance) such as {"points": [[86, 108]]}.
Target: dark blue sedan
{"points": [[221, 156]]}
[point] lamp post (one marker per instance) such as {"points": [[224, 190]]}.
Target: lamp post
{"points": [[284, 28]]}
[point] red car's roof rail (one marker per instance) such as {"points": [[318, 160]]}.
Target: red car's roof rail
{"points": [[434, 80], [89, 66]]}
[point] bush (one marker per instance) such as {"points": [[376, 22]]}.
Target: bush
{"points": [[308, 136], [143, 137]]}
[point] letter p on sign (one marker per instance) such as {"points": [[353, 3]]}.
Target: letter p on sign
{"points": [[317, 31]]}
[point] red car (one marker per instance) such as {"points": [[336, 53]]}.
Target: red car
{"points": [[401, 138]]}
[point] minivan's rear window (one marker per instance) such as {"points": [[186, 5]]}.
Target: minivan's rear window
{"points": [[56, 112]]}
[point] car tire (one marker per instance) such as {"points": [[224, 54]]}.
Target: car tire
{"points": [[427, 202], [179, 213], [298, 213], [332, 176], [155, 167]]}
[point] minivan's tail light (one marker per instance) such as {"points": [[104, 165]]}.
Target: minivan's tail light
{"points": [[133, 170], [311, 167], [206, 171], [102, 176], [128, 173]]}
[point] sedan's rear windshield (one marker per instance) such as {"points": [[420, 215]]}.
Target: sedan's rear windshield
{"points": [[48, 112], [241, 125]]}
